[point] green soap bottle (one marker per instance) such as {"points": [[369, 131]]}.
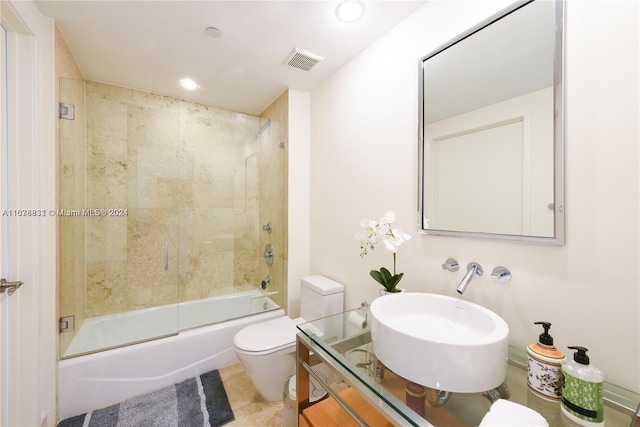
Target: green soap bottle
{"points": [[582, 391]]}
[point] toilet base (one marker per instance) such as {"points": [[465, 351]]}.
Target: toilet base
{"points": [[269, 372]]}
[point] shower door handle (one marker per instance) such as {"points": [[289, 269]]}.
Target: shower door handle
{"points": [[166, 255]]}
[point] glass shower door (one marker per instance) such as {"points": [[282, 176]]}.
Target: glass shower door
{"points": [[272, 202], [118, 224]]}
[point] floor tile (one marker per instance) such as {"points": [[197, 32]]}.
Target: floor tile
{"points": [[249, 408]]}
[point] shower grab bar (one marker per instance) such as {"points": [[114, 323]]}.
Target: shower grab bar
{"points": [[166, 255]]}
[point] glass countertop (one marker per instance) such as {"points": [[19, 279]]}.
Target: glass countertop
{"points": [[344, 339]]}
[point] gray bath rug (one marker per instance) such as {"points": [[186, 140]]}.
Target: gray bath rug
{"points": [[200, 401]]}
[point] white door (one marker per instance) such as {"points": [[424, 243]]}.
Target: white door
{"points": [[14, 358], [4, 300], [27, 238]]}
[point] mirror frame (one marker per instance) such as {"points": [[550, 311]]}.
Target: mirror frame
{"points": [[558, 108]]}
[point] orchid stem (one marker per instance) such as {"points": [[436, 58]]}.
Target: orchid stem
{"points": [[394, 263]]}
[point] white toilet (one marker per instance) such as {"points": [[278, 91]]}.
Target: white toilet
{"points": [[267, 350]]}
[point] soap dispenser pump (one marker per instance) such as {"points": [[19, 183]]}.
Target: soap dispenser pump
{"points": [[544, 366], [583, 390]]}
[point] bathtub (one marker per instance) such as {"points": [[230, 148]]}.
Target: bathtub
{"points": [[97, 380]]}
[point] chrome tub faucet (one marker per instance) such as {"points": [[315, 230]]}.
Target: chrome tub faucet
{"points": [[264, 283]]}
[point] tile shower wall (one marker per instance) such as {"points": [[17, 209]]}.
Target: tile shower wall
{"points": [[187, 175]]}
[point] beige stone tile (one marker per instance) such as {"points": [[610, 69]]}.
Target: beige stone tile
{"points": [[245, 267], [240, 390], [106, 154], [278, 109], [152, 127], [263, 414], [72, 266], [149, 284], [248, 406], [106, 238], [65, 64], [106, 91], [148, 230], [202, 274], [106, 288], [246, 230]]}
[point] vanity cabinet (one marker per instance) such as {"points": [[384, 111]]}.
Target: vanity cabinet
{"points": [[342, 351]]}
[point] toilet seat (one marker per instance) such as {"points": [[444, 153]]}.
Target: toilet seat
{"points": [[268, 337]]}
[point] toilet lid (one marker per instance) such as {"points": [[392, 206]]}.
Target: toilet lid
{"points": [[265, 336]]}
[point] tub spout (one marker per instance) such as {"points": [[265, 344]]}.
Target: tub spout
{"points": [[473, 270]]}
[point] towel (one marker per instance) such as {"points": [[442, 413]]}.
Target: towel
{"points": [[504, 413]]}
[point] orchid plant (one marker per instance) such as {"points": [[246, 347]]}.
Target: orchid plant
{"points": [[375, 232]]}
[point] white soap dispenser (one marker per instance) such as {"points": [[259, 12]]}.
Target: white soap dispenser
{"points": [[583, 391]]}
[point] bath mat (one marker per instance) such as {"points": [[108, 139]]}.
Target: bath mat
{"points": [[199, 401]]}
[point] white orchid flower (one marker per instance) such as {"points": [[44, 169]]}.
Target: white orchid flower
{"points": [[391, 238], [369, 225], [381, 231], [390, 245], [388, 218], [401, 235], [394, 239]]}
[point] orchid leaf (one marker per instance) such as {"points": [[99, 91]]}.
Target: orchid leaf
{"points": [[384, 277], [394, 282], [377, 277]]}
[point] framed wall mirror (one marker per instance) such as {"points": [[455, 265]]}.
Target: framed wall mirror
{"points": [[491, 129]]}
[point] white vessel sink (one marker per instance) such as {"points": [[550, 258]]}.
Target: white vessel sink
{"points": [[440, 342]]}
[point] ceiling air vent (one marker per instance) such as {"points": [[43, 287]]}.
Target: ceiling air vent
{"points": [[302, 60]]}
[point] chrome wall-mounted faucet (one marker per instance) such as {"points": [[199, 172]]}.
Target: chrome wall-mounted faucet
{"points": [[451, 264], [473, 270], [501, 274]]}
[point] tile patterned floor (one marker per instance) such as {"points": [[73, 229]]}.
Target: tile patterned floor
{"points": [[249, 408]]}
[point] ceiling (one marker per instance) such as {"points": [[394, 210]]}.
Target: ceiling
{"points": [[152, 45]]}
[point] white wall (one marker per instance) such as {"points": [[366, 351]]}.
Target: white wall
{"points": [[298, 226], [364, 149]]}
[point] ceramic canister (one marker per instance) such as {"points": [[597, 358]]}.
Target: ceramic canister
{"points": [[544, 373]]}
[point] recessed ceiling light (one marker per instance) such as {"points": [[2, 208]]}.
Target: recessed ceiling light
{"points": [[213, 32], [188, 84], [350, 11]]}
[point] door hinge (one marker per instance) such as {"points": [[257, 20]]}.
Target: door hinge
{"points": [[67, 324], [66, 111]]}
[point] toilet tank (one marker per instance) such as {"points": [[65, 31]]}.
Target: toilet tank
{"points": [[320, 297]]}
